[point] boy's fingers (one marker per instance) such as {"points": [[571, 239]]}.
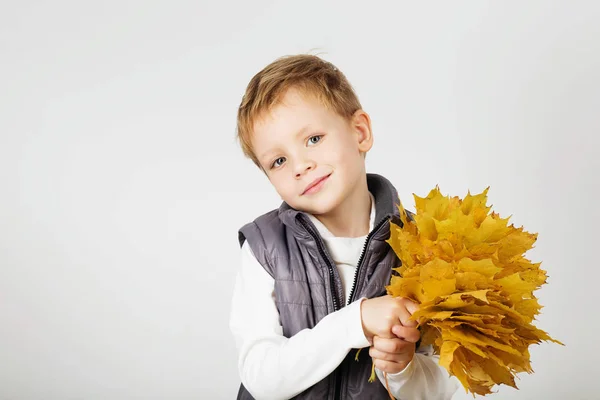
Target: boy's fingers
{"points": [[405, 319], [390, 357], [388, 366], [404, 315], [390, 345], [411, 306], [381, 355], [409, 322], [407, 333], [393, 365]]}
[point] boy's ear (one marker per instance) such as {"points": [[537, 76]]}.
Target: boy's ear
{"points": [[361, 124]]}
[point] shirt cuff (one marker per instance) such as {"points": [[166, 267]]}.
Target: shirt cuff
{"points": [[355, 332]]}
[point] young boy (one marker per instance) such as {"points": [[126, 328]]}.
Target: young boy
{"points": [[311, 287]]}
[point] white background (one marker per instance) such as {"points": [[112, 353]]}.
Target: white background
{"points": [[122, 187]]}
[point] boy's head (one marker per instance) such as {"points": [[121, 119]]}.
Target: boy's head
{"points": [[300, 121]]}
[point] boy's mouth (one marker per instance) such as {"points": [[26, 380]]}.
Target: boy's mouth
{"points": [[315, 185]]}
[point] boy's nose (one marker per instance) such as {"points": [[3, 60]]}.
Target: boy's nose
{"points": [[302, 167]]}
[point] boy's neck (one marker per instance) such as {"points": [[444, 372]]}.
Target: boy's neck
{"points": [[352, 217]]}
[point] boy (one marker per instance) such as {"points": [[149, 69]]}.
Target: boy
{"points": [[311, 287]]}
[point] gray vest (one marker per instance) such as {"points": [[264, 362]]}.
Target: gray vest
{"points": [[308, 286]]}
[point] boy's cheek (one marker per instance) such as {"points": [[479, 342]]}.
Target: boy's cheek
{"points": [[283, 188]]}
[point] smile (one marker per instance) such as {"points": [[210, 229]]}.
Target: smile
{"points": [[316, 185]]}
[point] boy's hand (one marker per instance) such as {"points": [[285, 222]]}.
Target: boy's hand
{"points": [[393, 355], [380, 314], [387, 326]]}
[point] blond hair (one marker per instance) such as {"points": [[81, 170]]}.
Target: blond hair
{"points": [[308, 73]]}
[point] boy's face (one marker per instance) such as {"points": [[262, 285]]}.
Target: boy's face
{"points": [[312, 156]]}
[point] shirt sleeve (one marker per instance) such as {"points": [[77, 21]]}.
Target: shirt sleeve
{"points": [[266, 358], [423, 378]]}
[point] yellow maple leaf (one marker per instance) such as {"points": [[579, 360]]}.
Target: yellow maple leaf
{"points": [[465, 266]]}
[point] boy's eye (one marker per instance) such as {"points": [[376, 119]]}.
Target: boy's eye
{"points": [[314, 139], [278, 162]]}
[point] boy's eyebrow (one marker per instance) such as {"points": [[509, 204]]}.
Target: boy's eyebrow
{"points": [[301, 131], [263, 156]]}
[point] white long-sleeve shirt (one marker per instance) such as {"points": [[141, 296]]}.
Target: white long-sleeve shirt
{"points": [[272, 366]]}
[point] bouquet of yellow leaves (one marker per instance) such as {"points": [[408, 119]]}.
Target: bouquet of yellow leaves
{"points": [[465, 267]]}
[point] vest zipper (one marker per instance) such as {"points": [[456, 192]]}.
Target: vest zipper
{"points": [[336, 304], [352, 291], [320, 247], [362, 256]]}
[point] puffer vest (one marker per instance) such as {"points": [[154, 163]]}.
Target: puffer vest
{"points": [[308, 286]]}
